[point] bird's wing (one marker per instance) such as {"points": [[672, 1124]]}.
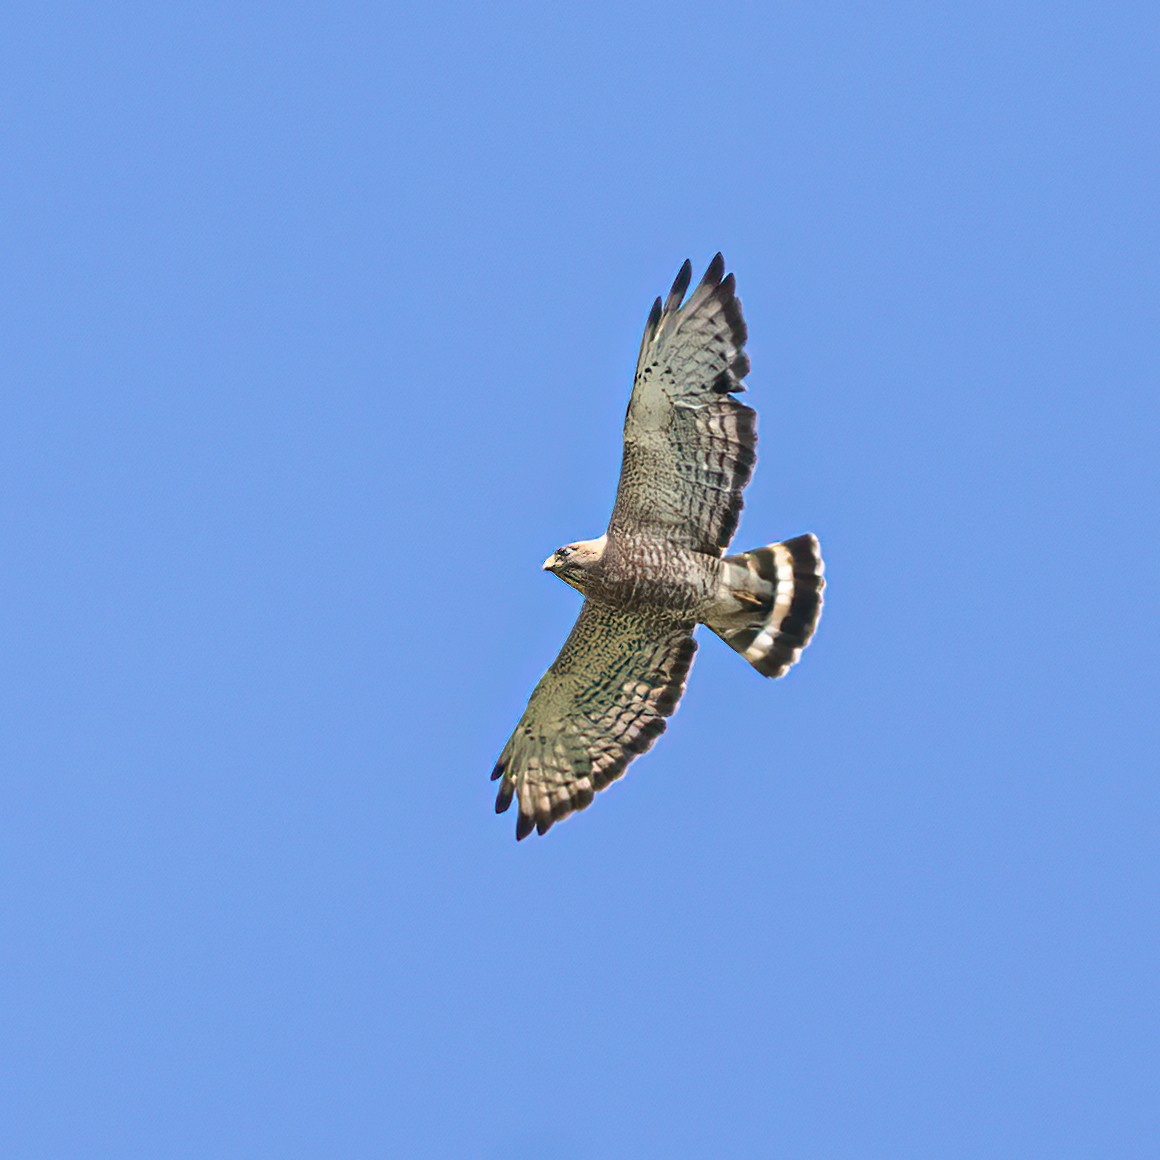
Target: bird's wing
{"points": [[689, 446], [603, 702]]}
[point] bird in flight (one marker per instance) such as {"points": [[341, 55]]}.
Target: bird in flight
{"points": [[660, 569]]}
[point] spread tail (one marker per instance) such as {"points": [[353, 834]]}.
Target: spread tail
{"points": [[773, 602]]}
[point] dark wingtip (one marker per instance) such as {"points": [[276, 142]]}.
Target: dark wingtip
{"points": [[716, 270], [503, 798], [525, 824], [654, 315], [680, 285], [498, 771]]}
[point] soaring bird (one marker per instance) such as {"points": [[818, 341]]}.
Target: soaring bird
{"points": [[660, 568]]}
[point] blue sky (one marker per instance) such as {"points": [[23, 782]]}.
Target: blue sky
{"points": [[318, 327]]}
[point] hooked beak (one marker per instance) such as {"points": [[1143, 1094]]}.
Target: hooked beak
{"points": [[550, 563]]}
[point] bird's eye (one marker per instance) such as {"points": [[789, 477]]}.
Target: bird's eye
{"points": [[563, 553]]}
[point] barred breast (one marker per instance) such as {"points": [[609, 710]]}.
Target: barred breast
{"points": [[642, 573]]}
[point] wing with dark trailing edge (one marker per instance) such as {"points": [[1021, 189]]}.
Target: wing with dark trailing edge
{"points": [[603, 702], [689, 445]]}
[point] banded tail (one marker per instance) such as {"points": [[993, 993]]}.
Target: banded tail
{"points": [[771, 603]]}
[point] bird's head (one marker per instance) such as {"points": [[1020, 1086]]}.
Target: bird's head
{"points": [[573, 562]]}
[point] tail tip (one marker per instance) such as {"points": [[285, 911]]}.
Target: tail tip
{"points": [[795, 569]]}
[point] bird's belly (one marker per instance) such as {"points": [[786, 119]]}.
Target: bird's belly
{"points": [[661, 578]]}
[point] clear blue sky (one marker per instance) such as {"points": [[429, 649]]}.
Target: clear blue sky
{"points": [[317, 331]]}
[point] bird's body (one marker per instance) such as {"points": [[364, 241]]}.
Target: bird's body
{"points": [[644, 573], [659, 570]]}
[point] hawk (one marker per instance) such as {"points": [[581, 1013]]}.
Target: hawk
{"points": [[660, 569]]}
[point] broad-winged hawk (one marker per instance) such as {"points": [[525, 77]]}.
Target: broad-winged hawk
{"points": [[659, 569]]}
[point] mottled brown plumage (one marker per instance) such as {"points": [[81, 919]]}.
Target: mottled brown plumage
{"points": [[689, 450]]}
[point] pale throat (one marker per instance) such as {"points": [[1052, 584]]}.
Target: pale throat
{"points": [[591, 550]]}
